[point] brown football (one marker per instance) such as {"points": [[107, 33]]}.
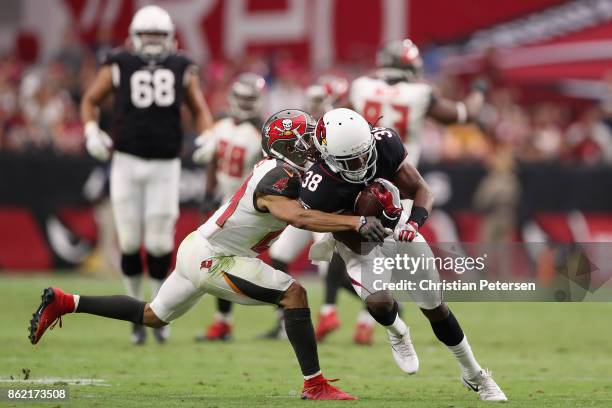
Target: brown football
{"points": [[366, 204]]}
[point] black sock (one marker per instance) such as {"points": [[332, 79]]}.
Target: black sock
{"points": [[158, 265], [224, 306], [118, 307], [280, 265], [300, 332], [131, 264], [383, 314], [335, 278], [448, 330]]}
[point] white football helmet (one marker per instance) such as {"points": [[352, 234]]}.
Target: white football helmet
{"points": [[152, 32], [344, 139]]}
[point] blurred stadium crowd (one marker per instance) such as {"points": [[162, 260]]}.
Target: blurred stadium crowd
{"points": [[39, 107]]}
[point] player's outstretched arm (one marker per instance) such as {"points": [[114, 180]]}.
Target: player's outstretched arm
{"points": [[446, 111], [290, 211]]}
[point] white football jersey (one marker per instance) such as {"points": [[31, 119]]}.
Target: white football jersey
{"points": [[237, 227], [402, 106], [238, 148]]}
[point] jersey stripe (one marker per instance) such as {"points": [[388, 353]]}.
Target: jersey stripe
{"points": [[231, 208]]}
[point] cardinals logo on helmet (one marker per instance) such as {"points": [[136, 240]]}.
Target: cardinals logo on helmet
{"points": [[321, 133]]}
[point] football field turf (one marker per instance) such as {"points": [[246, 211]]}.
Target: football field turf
{"points": [[541, 354]]}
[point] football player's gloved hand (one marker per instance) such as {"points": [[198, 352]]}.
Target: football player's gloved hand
{"points": [[97, 142], [205, 148], [372, 229], [406, 232], [390, 200]]}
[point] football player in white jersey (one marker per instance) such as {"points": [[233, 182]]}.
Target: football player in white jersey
{"points": [[230, 150], [395, 96], [220, 256]]}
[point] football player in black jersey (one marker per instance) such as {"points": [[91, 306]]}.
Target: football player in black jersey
{"points": [[353, 154], [149, 81]]}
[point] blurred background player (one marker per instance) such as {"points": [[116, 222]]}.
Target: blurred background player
{"points": [[395, 96], [149, 81], [231, 149]]}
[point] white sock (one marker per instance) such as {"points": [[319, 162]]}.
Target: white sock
{"points": [[398, 328], [224, 317], [76, 301], [155, 285], [308, 377], [327, 309], [465, 358], [364, 317], [133, 285]]}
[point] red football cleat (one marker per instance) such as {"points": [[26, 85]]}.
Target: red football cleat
{"points": [[328, 323], [54, 305], [319, 388], [364, 334], [218, 330]]}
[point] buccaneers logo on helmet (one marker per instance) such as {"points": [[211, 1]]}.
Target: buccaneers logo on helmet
{"points": [[288, 136]]}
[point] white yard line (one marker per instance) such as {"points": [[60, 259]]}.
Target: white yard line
{"points": [[57, 381]]}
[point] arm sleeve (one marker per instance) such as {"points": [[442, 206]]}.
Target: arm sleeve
{"points": [[281, 181]]}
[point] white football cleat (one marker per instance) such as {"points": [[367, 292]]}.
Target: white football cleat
{"points": [[403, 352], [485, 386]]}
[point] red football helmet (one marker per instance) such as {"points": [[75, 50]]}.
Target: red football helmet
{"points": [[287, 135]]}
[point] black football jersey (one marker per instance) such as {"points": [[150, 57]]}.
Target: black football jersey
{"points": [[323, 189], [147, 105]]}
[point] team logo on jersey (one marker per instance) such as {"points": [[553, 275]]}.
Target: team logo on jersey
{"points": [[206, 264], [286, 128], [281, 184], [321, 133]]}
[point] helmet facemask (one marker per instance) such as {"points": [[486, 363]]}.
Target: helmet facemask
{"points": [[153, 44], [356, 168]]}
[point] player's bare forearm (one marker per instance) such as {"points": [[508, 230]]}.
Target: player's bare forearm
{"points": [[197, 104], [290, 211], [412, 185], [99, 89], [446, 111]]}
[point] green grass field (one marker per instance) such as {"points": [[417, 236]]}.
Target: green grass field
{"points": [[542, 355]]}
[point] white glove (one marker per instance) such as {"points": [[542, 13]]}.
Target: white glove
{"points": [[406, 232], [205, 148], [98, 142], [395, 193]]}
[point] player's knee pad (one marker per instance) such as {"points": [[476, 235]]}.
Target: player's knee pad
{"points": [[382, 307], [158, 265], [131, 264], [159, 235]]}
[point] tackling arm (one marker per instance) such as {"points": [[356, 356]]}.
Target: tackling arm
{"points": [[290, 211]]}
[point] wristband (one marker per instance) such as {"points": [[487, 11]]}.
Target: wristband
{"points": [[418, 215]]}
